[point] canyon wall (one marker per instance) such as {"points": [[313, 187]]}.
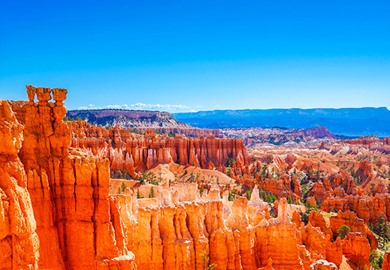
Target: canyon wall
{"points": [[195, 234], [135, 153], [68, 191], [19, 242]]}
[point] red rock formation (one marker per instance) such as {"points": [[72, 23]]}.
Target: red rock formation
{"points": [[368, 208], [269, 265], [270, 235], [281, 187], [317, 220], [69, 193], [315, 242], [334, 251], [356, 249], [323, 265], [134, 153], [56, 211], [355, 224], [318, 132], [386, 262], [18, 239], [365, 171]]}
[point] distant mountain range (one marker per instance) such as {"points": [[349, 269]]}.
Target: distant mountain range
{"points": [[347, 121], [127, 118]]}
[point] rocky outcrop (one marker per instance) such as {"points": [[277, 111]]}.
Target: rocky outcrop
{"points": [[318, 132], [355, 224], [369, 208], [135, 153], [281, 187], [386, 261], [19, 241], [323, 265], [317, 220], [180, 236], [356, 249], [69, 194]]}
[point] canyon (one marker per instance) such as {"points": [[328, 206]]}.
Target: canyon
{"points": [[74, 195]]}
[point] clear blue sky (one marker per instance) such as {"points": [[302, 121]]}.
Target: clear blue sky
{"points": [[198, 55]]}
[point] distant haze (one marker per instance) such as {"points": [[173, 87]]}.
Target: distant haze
{"points": [[348, 121]]}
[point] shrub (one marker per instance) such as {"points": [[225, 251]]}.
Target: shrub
{"points": [[343, 231], [248, 194], [376, 259], [267, 196], [228, 171], [206, 262], [122, 188], [230, 162], [290, 200], [382, 228], [151, 193], [304, 217], [232, 195]]}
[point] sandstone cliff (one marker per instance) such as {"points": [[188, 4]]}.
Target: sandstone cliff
{"points": [[135, 153], [19, 241], [68, 192]]}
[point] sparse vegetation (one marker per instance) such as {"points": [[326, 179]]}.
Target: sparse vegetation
{"points": [[305, 217], [151, 193], [343, 231], [116, 174], [206, 262], [230, 162], [122, 188], [267, 196], [305, 191], [148, 178], [290, 200], [376, 259], [192, 179], [382, 229], [228, 171], [264, 171], [232, 195], [248, 194], [139, 196]]}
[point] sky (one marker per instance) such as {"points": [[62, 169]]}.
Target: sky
{"points": [[199, 55]]}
